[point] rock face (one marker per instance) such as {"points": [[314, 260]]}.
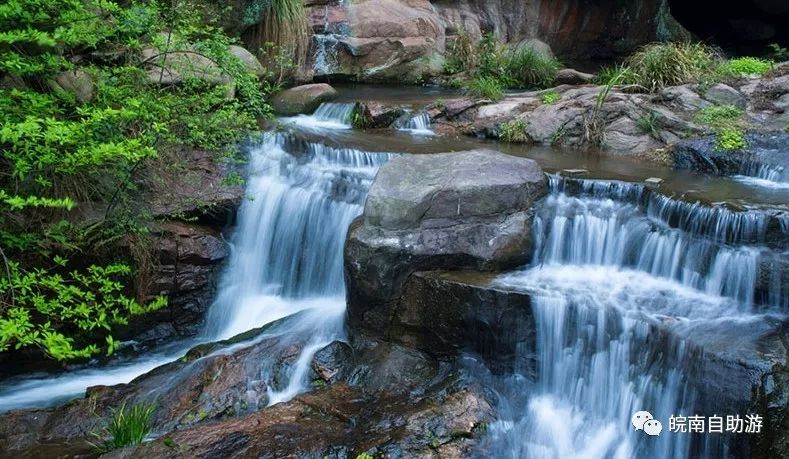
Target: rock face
{"points": [[406, 40], [302, 99], [453, 210], [77, 82]]}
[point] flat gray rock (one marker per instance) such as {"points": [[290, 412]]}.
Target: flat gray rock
{"points": [[433, 190]]}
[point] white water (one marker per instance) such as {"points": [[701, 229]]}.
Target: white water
{"points": [[328, 115], [612, 262], [764, 175], [418, 124], [286, 257]]}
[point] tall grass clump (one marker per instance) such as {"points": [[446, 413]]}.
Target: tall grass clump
{"points": [[528, 68], [658, 65], [284, 23], [128, 426], [487, 87]]}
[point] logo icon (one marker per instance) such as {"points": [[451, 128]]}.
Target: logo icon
{"points": [[639, 418], [644, 421]]}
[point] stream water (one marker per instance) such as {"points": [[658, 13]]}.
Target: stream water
{"points": [[614, 259]]}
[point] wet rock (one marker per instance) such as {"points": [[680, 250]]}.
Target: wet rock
{"points": [[77, 83], [376, 115], [454, 210], [722, 94], [442, 313], [328, 362], [302, 99], [703, 154]]}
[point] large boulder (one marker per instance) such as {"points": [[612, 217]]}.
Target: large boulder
{"points": [[174, 67], [302, 99], [452, 210]]}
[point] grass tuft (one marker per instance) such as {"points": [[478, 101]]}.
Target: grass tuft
{"points": [[486, 87], [658, 65], [128, 426], [528, 68]]}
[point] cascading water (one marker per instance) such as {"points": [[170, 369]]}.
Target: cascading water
{"points": [[765, 175], [418, 124], [328, 115], [286, 258], [614, 261]]}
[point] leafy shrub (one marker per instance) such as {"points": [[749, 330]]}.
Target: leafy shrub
{"points": [[719, 116], [658, 65], [514, 131], [528, 68], [745, 66], [59, 152], [730, 139], [486, 87], [727, 121], [128, 426], [550, 97]]}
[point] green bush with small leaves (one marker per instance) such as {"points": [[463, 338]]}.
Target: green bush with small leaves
{"points": [[728, 124], [63, 289], [746, 66]]}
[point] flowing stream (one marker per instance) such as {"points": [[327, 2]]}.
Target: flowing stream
{"points": [[286, 257], [613, 261], [621, 275]]}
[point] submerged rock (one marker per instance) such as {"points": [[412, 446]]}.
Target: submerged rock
{"points": [[302, 99], [453, 210]]}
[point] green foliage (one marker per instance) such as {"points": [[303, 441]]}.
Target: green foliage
{"points": [[42, 305], [514, 131], [745, 66], [65, 158], [728, 123], [648, 123], [461, 55], [778, 53], [720, 116], [487, 87], [529, 68], [658, 65], [730, 139], [364, 456], [128, 426], [550, 97]]}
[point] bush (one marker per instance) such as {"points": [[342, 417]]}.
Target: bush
{"points": [[658, 65], [65, 288], [730, 139], [728, 124], [128, 426], [745, 66], [486, 87], [461, 55], [528, 68]]}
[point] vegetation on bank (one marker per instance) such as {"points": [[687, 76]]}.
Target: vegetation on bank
{"points": [[81, 120], [128, 425], [493, 68]]}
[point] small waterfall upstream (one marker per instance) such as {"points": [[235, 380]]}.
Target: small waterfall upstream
{"points": [[613, 262], [328, 115], [418, 124], [286, 258], [764, 175]]}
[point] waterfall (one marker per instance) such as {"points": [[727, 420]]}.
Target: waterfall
{"points": [[286, 258], [327, 116], [417, 124], [612, 261], [764, 175], [291, 230]]}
